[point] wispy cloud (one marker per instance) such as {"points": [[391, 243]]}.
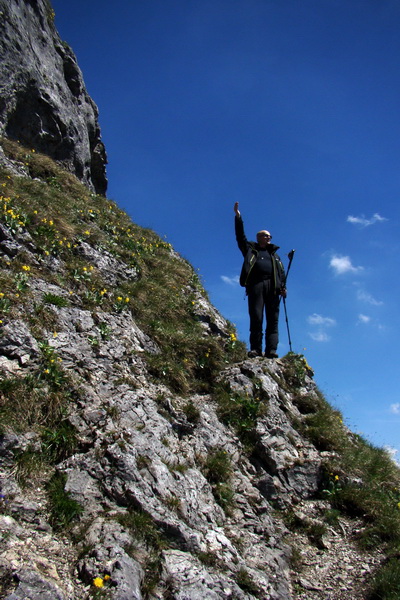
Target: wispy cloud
{"points": [[368, 298], [342, 264], [395, 408], [316, 319], [392, 453], [363, 318], [230, 280], [322, 323], [376, 218], [319, 336]]}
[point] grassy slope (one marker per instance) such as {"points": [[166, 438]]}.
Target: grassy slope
{"points": [[60, 214]]}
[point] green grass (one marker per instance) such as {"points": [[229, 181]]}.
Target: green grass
{"points": [[144, 529], [387, 582], [241, 412], [359, 479], [217, 469], [246, 582], [26, 404], [64, 509], [60, 214]]}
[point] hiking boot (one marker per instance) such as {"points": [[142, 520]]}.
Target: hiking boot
{"points": [[254, 353], [271, 354]]}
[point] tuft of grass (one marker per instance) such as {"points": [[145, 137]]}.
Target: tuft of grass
{"points": [[28, 466], [60, 442], [63, 509], [296, 369], [247, 583], [143, 528], [26, 403], [217, 466], [217, 469], [387, 582], [241, 412], [55, 300], [192, 412]]}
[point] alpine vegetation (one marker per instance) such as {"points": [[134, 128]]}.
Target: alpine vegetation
{"points": [[144, 455]]}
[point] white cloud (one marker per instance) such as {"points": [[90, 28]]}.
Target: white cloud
{"points": [[319, 336], [365, 222], [342, 264], [368, 298], [363, 318], [392, 453], [230, 280], [316, 319], [395, 408]]}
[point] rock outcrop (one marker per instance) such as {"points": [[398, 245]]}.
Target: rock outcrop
{"points": [[43, 100], [110, 476]]}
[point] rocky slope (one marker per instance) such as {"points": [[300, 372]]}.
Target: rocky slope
{"points": [[44, 103], [144, 457]]}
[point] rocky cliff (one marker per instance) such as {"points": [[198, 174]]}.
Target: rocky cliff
{"points": [[142, 454], [43, 100]]}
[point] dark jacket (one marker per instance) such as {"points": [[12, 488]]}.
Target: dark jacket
{"points": [[250, 252]]}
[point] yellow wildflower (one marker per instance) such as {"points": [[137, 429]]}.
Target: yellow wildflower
{"points": [[98, 582], [26, 267]]}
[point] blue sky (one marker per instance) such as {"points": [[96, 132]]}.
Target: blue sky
{"points": [[291, 108]]}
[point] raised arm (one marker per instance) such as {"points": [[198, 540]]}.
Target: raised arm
{"points": [[239, 230]]}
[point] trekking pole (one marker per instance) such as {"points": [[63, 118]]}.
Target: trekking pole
{"points": [[290, 257], [287, 325]]}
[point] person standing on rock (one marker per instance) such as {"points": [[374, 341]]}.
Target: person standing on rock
{"points": [[263, 276]]}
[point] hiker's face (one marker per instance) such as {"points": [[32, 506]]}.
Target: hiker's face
{"points": [[263, 238]]}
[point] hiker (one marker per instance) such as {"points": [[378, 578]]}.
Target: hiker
{"points": [[263, 276]]}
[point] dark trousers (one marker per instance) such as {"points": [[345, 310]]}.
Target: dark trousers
{"points": [[261, 297]]}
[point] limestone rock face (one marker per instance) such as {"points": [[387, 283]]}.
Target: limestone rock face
{"points": [[43, 100], [143, 490]]}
